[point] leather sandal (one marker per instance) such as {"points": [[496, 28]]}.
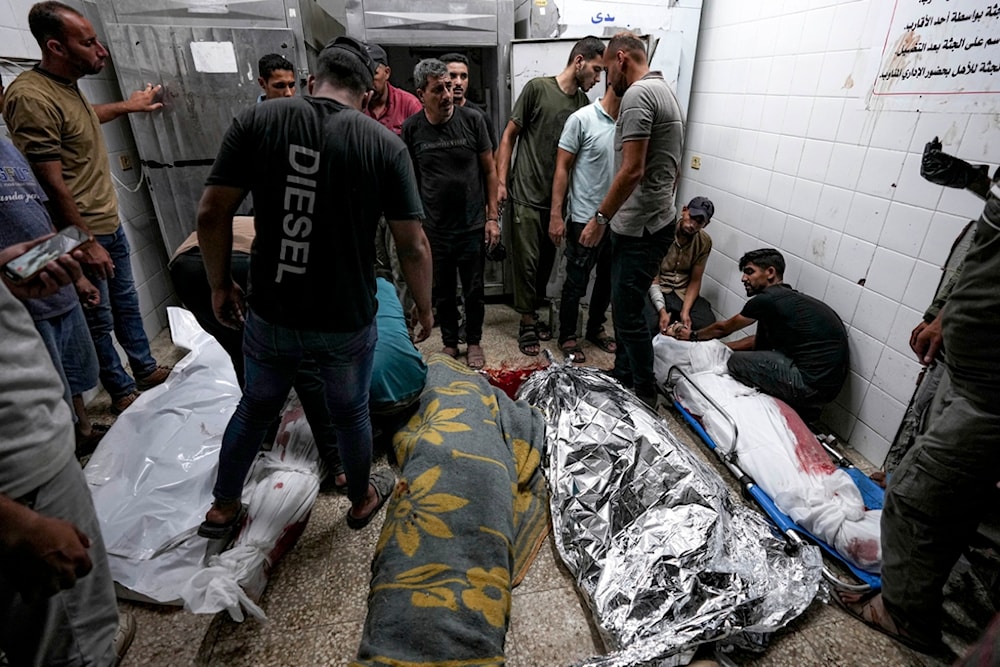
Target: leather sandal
{"points": [[383, 481]]}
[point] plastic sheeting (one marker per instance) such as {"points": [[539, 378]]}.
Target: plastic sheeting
{"points": [[776, 448], [152, 475], [664, 556]]}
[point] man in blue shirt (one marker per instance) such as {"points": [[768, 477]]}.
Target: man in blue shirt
{"points": [[584, 172]]}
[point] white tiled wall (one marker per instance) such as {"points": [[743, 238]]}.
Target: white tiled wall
{"points": [[135, 209], [793, 160]]}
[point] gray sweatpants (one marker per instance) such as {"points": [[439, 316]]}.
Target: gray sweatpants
{"points": [[936, 498], [76, 626]]}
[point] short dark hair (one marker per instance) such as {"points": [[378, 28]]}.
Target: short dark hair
{"points": [[454, 58], [426, 69], [46, 22], [765, 258], [271, 63], [589, 47], [343, 67], [629, 43]]}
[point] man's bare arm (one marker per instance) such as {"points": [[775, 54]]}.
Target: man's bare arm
{"points": [[489, 169], [63, 211], [504, 153], [215, 239], [628, 177], [415, 261], [560, 184], [692, 291], [140, 100]]}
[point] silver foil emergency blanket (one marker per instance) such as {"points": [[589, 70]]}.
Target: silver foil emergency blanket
{"points": [[665, 556]]}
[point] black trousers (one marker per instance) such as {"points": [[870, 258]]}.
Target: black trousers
{"points": [[461, 253]]}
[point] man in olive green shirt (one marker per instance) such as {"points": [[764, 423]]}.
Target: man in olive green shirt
{"points": [[535, 125], [57, 129]]}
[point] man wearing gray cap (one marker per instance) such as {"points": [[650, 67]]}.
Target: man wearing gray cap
{"points": [[675, 292], [389, 105]]}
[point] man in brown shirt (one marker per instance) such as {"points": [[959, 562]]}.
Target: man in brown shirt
{"points": [[58, 130], [675, 292]]}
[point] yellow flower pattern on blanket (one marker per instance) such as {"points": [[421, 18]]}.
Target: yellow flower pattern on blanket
{"points": [[428, 425], [489, 594], [416, 511]]}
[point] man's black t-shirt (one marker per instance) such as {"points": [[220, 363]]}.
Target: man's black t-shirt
{"points": [[321, 174], [446, 158], [469, 104], [806, 330]]}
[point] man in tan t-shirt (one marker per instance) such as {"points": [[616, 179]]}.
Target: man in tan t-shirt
{"points": [[675, 292], [57, 129]]}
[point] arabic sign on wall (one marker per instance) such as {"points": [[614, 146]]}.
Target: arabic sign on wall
{"points": [[939, 55]]}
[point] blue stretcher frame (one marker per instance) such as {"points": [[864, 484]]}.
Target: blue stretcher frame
{"points": [[792, 531]]}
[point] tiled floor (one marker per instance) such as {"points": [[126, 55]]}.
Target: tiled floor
{"points": [[316, 598]]}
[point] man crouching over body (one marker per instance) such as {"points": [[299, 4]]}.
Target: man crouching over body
{"points": [[799, 353], [321, 173]]}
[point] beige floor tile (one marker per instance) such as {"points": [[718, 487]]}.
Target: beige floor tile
{"points": [[167, 635], [550, 627]]}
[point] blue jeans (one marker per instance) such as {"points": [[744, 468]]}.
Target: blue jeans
{"points": [[580, 262], [273, 355], [634, 262], [66, 338], [119, 312]]}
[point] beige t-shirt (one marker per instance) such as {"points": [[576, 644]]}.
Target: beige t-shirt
{"points": [[243, 234], [676, 265], [50, 119]]}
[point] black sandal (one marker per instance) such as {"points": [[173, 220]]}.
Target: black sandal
{"points": [[604, 341], [219, 531], [383, 481], [527, 336]]}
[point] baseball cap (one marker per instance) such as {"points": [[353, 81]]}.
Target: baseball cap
{"points": [[703, 207], [357, 48], [377, 53]]}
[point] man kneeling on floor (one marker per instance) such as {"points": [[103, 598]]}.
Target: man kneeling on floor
{"points": [[799, 353]]}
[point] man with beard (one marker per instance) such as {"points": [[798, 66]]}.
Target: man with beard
{"points": [[58, 130], [649, 137], [458, 70], [451, 153], [799, 353], [535, 125]]}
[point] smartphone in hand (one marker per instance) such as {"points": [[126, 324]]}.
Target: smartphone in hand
{"points": [[25, 267]]}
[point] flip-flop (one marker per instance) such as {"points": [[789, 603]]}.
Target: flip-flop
{"points": [[219, 531], [856, 609], [383, 481]]}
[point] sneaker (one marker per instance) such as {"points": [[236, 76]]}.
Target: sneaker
{"points": [[119, 405], [157, 377], [124, 635]]}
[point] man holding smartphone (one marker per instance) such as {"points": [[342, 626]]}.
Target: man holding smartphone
{"points": [[57, 129], [59, 317]]}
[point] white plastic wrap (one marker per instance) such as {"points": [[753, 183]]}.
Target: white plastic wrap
{"points": [[152, 475], [776, 449]]}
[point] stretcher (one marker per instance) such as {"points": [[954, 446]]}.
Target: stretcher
{"points": [[794, 534]]}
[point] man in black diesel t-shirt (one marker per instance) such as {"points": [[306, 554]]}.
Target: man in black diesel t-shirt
{"points": [[799, 353], [321, 173], [451, 152]]}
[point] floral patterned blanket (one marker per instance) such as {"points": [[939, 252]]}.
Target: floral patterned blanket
{"points": [[465, 521]]}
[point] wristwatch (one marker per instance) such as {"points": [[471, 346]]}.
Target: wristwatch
{"points": [[693, 336], [601, 218]]}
